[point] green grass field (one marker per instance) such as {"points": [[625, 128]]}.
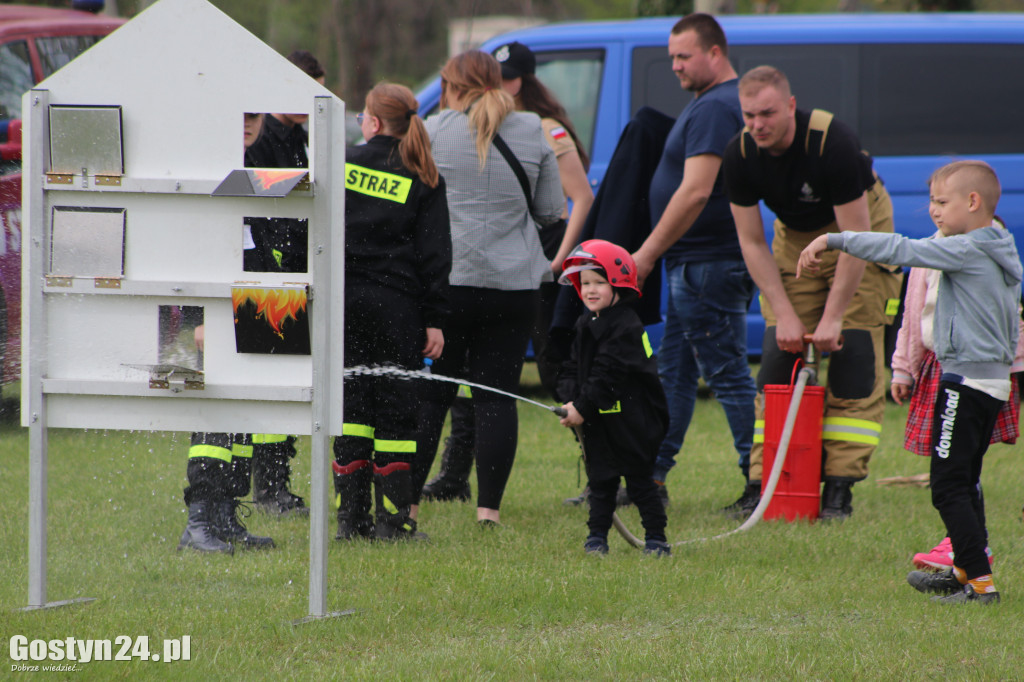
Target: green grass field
{"points": [[780, 602]]}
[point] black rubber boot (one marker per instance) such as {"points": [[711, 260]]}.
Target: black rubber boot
{"points": [[271, 473], [836, 501], [352, 484], [231, 529], [747, 502], [392, 501], [200, 533]]}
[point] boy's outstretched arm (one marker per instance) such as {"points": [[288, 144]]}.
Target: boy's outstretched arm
{"points": [[810, 257]]}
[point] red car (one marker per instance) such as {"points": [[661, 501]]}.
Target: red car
{"points": [[34, 42]]}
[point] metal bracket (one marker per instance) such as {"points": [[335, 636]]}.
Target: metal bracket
{"points": [[59, 281], [174, 378], [107, 180], [60, 178], [107, 282]]}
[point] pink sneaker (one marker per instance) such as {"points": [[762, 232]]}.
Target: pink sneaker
{"points": [[941, 556]]}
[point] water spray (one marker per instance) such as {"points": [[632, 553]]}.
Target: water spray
{"points": [[383, 370]]}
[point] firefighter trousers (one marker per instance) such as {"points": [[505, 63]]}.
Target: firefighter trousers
{"points": [[855, 383]]}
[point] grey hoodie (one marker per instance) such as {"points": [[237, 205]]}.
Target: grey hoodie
{"points": [[976, 312]]}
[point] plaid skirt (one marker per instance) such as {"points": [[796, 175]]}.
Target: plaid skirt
{"points": [[918, 435]]}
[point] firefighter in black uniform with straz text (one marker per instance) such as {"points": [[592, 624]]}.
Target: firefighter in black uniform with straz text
{"points": [[279, 245], [398, 256], [810, 171]]}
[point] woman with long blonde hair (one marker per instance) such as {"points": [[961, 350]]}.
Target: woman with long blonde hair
{"points": [[497, 260]]}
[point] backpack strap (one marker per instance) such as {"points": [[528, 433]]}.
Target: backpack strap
{"points": [[744, 134], [818, 125]]}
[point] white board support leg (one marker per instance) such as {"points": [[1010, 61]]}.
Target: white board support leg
{"points": [[327, 238], [35, 261]]}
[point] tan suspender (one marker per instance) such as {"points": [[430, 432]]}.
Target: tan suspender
{"points": [[819, 123]]}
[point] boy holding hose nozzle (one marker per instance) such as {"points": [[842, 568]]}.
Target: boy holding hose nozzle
{"points": [[614, 396], [975, 333]]}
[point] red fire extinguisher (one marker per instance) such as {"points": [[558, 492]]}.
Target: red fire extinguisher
{"points": [[792, 424]]}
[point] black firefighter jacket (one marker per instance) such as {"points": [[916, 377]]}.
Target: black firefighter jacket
{"points": [[397, 230], [612, 379]]}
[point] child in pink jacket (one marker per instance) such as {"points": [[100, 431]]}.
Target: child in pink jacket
{"points": [[915, 375]]}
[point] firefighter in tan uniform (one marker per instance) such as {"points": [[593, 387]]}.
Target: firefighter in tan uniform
{"points": [[810, 171]]}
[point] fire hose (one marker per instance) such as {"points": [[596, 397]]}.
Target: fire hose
{"points": [[807, 376]]}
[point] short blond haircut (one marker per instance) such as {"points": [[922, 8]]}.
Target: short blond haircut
{"points": [[971, 176], [760, 77]]}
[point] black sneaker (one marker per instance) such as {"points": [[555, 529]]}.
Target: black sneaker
{"points": [[595, 545], [969, 595], [942, 583], [582, 498], [283, 503], [440, 489], [746, 504], [657, 548]]}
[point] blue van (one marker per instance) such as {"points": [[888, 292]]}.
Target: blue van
{"points": [[919, 89]]}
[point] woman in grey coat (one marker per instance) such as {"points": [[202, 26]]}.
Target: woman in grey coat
{"points": [[497, 261]]}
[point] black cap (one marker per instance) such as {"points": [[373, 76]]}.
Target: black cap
{"points": [[516, 60]]}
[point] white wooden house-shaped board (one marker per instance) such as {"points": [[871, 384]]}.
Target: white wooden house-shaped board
{"points": [[124, 149]]}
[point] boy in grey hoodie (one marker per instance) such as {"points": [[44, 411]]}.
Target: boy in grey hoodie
{"points": [[976, 315]]}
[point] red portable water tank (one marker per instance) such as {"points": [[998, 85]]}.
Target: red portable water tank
{"points": [[798, 492]]}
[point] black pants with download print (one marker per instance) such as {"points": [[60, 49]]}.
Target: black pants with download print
{"points": [[961, 429]]}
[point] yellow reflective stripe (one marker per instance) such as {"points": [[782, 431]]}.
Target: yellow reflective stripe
{"points": [[854, 423], [360, 430], [263, 438], [850, 437], [759, 431], [377, 183], [212, 451], [389, 505], [278, 257], [892, 306], [852, 430], [647, 345], [464, 391], [394, 445], [239, 450], [617, 407]]}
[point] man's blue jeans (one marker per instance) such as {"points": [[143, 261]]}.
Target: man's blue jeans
{"points": [[706, 336]]}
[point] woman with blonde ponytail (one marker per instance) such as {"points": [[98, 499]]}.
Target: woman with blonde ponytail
{"points": [[497, 261], [397, 260]]}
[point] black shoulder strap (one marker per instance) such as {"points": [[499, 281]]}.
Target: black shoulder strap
{"points": [[517, 168]]}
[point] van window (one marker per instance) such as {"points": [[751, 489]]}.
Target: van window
{"points": [[817, 73], [942, 99], [58, 51], [654, 84], [15, 77], [885, 92], [575, 79]]}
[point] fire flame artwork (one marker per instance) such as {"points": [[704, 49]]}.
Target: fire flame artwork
{"points": [[271, 320], [268, 178]]}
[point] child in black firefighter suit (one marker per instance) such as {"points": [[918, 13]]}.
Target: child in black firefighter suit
{"points": [[613, 394]]}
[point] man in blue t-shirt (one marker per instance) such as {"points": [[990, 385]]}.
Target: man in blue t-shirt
{"points": [[709, 288]]}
